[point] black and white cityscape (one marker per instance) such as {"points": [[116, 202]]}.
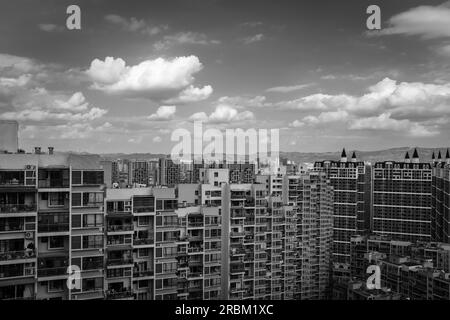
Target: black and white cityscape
{"points": [[224, 150]]}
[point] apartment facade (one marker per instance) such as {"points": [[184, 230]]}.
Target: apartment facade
{"points": [[402, 199], [48, 203], [350, 216], [441, 198]]}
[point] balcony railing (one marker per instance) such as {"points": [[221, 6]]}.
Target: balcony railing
{"points": [[12, 227], [118, 262], [54, 183], [143, 273], [17, 208], [194, 224], [50, 272], [12, 182], [118, 228], [195, 249], [143, 209], [17, 255], [53, 227], [111, 294], [140, 242]]}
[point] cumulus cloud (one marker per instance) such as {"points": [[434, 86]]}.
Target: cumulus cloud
{"points": [[414, 108], [25, 97], [297, 124], [327, 117], [183, 38], [252, 39], [244, 101], [286, 89], [50, 27], [427, 22], [223, 114], [385, 122], [135, 25], [163, 113], [158, 79], [192, 94]]}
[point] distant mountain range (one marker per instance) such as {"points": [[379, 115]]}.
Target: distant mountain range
{"points": [[395, 154]]}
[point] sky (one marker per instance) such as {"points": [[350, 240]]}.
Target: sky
{"points": [[138, 70]]}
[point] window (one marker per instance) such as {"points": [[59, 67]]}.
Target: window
{"points": [[92, 220], [91, 263], [56, 242], [216, 174], [92, 177], [76, 242], [145, 252], [56, 199], [76, 199], [56, 286], [92, 284], [144, 221], [76, 177], [92, 199], [92, 241], [76, 221]]}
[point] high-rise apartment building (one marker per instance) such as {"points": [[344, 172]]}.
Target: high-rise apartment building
{"points": [[402, 199], [168, 172], [350, 216], [440, 220], [51, 216], [311, 197]]}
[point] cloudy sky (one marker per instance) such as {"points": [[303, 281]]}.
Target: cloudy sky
{"points": [[140, 69]]}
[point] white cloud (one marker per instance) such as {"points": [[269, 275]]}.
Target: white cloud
{"points": [[252, 24], [24, 96], [444, 50], [244, 101], [296, 124], [192, 94], [285, 89], [327, 117], [163, 113], [385, 122], [426, 21], [157, 139], [183, 38], [50, 27], [414, 108], [223, 114], [156, 79], [135, 25], [252, 39]]}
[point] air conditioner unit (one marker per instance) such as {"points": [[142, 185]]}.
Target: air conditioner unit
{"points": [[29, 235]]}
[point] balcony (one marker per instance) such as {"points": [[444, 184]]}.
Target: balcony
{"points": [[237, 267], [235, 234], [195, 249], [53, 227], [113, 295], [53, 183], [52, 272], [17, 208], [119, 228], [193, 238], [142, 242], [17, 255], [149, 209], [119, 261], [143, 273]]}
